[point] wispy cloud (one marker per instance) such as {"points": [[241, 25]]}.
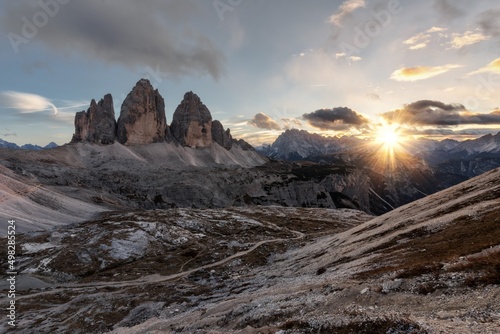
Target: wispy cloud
{"points": [[467, 38], [345, 56], [346, 8], [493, 67], [422, 40], [26, 102], [421, 72]]}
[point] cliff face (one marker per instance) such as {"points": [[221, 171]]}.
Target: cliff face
{"points": [[192, 122], [142, 117], [221, 137], [97, 124]]}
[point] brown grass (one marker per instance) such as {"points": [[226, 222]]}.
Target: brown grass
{"points": [[425, 253]]}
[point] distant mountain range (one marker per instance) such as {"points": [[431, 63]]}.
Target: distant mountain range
{"points": [[423, 167], [294, 145], [6, 144]]}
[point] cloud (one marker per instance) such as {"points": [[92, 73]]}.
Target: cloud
{"points": [[419, 39], [345, 56], [9, 134], [338, 119], [26, 103], [447, 10], [493, 67], [467, 38], [130, 33], [422, 40], [436, 29], [435, 113], [290, 123], [489, 23], [345, 9], [263, 121], [421, 72]]}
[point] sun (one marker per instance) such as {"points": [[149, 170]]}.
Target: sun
{"points": [[388, 135], [389, 147]]}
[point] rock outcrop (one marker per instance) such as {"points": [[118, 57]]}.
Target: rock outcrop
{"points": [[192, 122], [142, 121], [221, 137], [97, 124], [142, 117]]}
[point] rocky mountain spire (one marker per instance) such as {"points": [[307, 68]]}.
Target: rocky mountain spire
{"points": [[142, 117], [192, 122], [97, 124], [142, 121], [221, 137]]}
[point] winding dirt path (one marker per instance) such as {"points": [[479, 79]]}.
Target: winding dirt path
{"points": [[156, 278]]}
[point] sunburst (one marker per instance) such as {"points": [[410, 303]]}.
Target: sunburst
{"points": [[389, 135], [389, 140]]}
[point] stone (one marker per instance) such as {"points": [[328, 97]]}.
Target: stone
{"points": [[96, 125], [142, 117], [221, 137], [192, 122]]}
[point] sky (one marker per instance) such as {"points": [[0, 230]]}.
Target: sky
{"points": [[261, 66]]}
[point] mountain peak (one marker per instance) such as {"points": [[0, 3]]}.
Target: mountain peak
{"points": [[142, 117], [142, 121], [192, 122]]}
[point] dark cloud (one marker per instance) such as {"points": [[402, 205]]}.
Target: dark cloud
{"points": [[447, 10], [426, 112], [161, 34], [263, 121], [489, 22], [338, 119]]}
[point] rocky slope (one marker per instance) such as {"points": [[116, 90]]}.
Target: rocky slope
{"points": [[431, 266], [37, 206]]}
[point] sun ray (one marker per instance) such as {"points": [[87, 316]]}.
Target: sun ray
{"points": [[389, 142]]}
